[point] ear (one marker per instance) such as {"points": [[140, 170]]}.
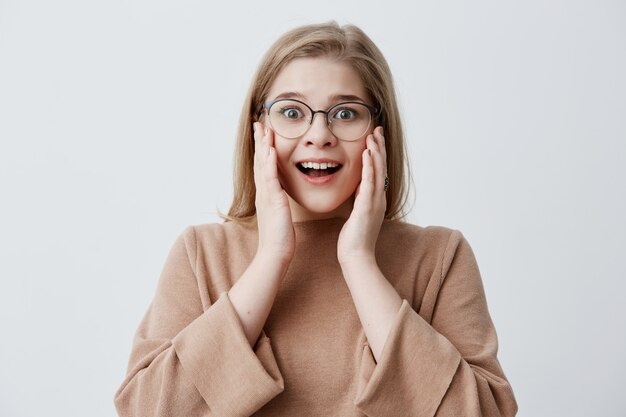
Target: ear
{"points": [[260, 117]]}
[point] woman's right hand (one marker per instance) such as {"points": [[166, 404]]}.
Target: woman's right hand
{"points": [[253, 294], [276, 234]]}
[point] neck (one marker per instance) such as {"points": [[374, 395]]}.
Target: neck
{"points": [[301, 214]]}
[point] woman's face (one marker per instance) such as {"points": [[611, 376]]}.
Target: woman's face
{"points": [[318, 194]]}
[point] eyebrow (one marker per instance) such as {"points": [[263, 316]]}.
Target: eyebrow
{"points": [[336, 97]]}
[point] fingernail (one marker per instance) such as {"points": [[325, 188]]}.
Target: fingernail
{"points": [[254, 126], [267, 129]]}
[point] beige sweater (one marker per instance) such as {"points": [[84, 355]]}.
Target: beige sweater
{"points": [[190, 356]]}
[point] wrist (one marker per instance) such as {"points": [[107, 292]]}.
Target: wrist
{"points": [[272, 259], [357, 260]]}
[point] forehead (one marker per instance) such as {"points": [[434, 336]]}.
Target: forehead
{"points": [[318, 80]]}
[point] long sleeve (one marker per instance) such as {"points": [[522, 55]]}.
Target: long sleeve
{"points": [[445, 367], [190, 361]]}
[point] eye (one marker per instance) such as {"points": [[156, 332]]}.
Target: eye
{"points": [[290, 112], [345, 114]]}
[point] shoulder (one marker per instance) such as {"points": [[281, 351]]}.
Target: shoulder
{"points": [[439, 244], [427, 236], [217, 240], [216, 232]]}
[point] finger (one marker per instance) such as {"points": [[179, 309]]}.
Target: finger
{"points": [[269, 138], [271, 169], [378, 165], [264, 141], [258, 136], [382, 150], [379, 139], [367, 185], [257, 133], [271, 163], [382, 145], [258, 146], [261, 164]]}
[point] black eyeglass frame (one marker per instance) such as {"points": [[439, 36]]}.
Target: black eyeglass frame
{"points": [[374, 112]]}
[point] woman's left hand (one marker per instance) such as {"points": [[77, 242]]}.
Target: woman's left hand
{"points": [[357, 240]]}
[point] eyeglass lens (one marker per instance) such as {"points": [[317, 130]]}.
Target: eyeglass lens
{"points": [[291, 119]]}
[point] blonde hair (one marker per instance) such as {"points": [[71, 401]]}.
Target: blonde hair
{"points": [[347, 44]]}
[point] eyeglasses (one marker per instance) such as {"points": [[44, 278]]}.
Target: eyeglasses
{"points": [[348, 121]]}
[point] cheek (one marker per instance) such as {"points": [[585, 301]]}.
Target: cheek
{"points": [[356, 165], [283, 164], [283, 150], [358, 157]]}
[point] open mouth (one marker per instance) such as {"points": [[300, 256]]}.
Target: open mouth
{"points": [[318, 169]]}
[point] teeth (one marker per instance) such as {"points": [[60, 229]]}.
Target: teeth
{"points": [[316, 165]]}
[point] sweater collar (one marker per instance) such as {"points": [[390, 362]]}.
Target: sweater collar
{"points": [[318, 230]]}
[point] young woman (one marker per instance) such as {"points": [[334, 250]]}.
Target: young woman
{"points": [[314, 298]]}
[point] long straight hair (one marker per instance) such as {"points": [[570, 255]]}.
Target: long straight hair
{"points": [[346, 44]]}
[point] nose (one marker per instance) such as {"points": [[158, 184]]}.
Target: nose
{"points": [[319, 133]]}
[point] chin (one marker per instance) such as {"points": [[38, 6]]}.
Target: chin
{"points": [[318, 205], [317, 208], [321, 208]]}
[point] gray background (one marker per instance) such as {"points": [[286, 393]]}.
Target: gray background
{"points": [[117, 122]]}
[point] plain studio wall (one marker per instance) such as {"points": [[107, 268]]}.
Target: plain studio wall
{"points": [[117, 124]]}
